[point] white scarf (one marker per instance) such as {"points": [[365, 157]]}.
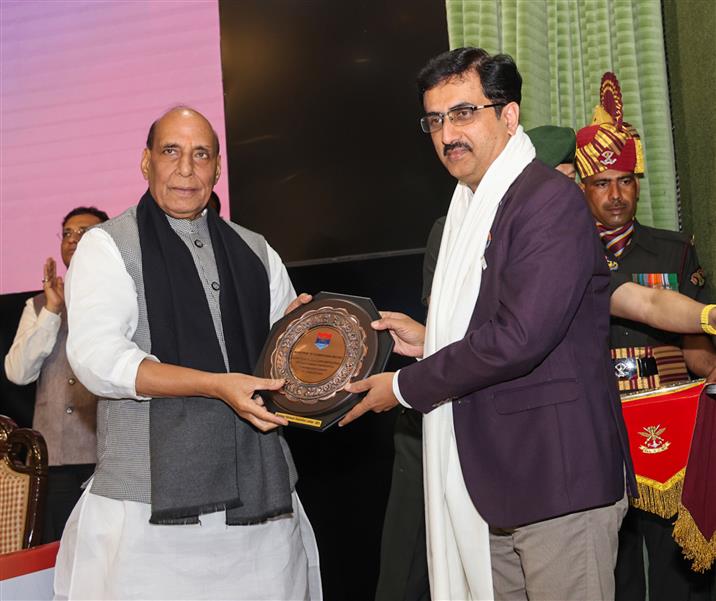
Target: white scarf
{"points": [[458, 538]]}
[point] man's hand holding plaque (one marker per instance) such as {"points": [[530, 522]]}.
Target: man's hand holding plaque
{"points": [[318, 348], [409, 337], [301, 299], [407, 334]]}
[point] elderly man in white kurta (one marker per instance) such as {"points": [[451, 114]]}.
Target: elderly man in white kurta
{"points": [[169, 306]]}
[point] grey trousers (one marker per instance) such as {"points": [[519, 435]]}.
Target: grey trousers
{"points": [[568, 558]]}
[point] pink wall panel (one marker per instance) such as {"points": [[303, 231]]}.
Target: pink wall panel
{"points": [[81, 83]]}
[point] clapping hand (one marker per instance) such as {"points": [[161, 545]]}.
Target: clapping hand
{"points": [[54, 288]]}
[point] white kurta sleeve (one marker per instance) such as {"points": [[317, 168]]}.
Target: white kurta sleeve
{"points": [[34, 340], [102, 315], [282, 292]]}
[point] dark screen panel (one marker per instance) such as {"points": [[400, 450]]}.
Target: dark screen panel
{"points": [[325, 154], [345, 473]]}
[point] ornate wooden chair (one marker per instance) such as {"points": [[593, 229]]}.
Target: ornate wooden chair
{"points": [[23, 486]]}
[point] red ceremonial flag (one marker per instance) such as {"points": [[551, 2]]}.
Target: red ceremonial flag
{"points": [[660, 424], [695, 527]]}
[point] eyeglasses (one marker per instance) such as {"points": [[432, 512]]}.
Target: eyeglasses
{"points": [[68, 232], [460, 115]]}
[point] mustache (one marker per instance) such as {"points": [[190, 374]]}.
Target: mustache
{"points": [[453, 145]]}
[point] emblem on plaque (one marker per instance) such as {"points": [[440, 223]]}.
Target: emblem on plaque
{"points": [[316, 372], [323, 339]]}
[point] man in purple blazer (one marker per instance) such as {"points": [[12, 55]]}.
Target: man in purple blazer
{"points": [[525, 448]]}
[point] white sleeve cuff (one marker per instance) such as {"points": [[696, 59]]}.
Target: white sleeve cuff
{"points": [[47, 320], [396, 391], [135, 368]]}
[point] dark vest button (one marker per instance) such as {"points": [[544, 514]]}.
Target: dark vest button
{"points": [[198, 243], [71, 381], [215, 285]]}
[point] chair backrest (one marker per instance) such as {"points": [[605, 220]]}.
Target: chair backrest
{"points": [[23, 486]]}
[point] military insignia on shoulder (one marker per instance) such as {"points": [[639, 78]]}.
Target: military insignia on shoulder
{"points": [[698, 278]]}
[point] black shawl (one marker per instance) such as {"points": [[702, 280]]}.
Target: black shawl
{"points": [[204, 457]]}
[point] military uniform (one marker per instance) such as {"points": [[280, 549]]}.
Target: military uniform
{"points": [[655, 251], [665, 259]]}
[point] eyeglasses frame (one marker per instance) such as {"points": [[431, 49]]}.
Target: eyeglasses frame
{"points": [[473, 107]]}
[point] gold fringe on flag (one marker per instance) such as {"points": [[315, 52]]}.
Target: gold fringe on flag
{"points": [[660, 498], [700, 551]]}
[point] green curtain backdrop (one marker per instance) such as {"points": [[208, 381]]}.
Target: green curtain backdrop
{"points": [[691, 51], [562, 48]]}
